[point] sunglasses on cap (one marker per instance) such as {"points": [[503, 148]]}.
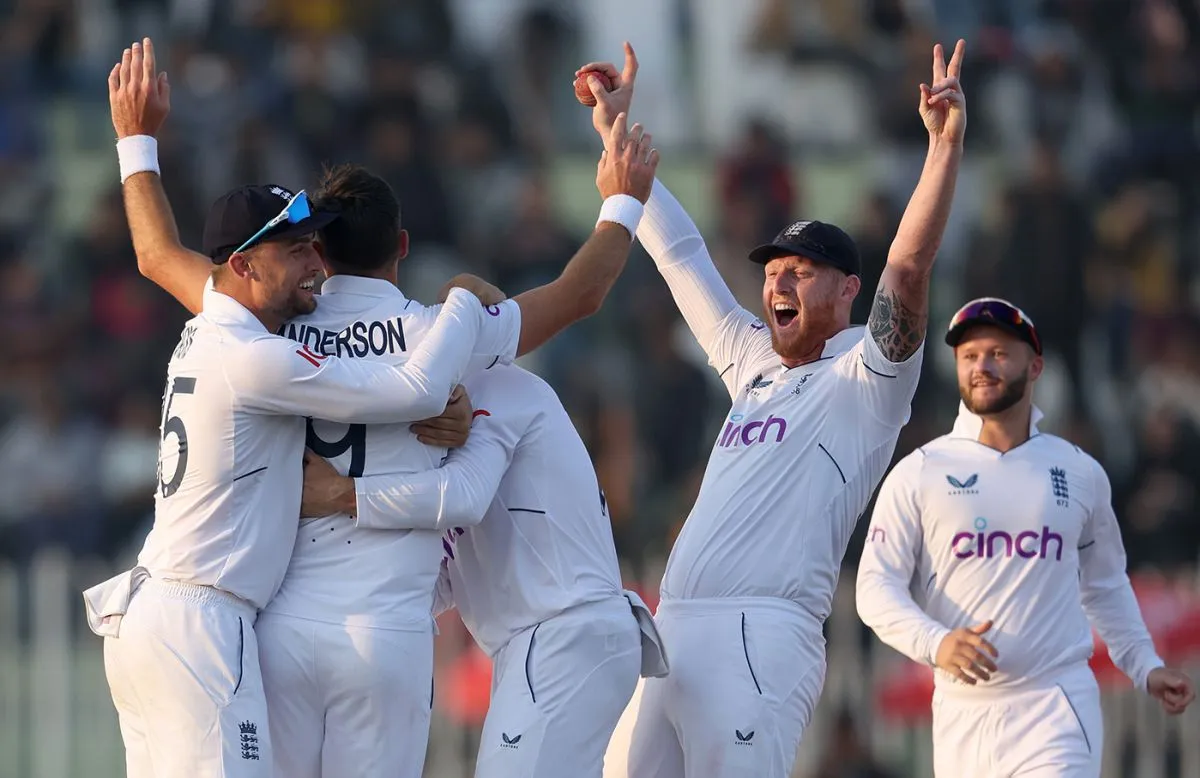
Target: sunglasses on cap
{"points": [[297, 210], [998, 313]]}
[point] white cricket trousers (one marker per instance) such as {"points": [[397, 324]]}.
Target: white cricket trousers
{"points": [[746, 673], [346, 701], [1049, 728], [558, 689], [185, 680]]}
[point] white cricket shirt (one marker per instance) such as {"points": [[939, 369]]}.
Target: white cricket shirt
{"points": [[962, 533], [545, 540], [232, 435], [798, 455], [341, 573]]}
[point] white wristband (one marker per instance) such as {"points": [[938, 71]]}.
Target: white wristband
{"points": [[624, 210], [137, 154]]}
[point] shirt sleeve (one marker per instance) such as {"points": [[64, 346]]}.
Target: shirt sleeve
{"points": [[498, 337], [278, 376], [730, 335], [1108, 598], [457, 494], [889, 562], [884, 388]]}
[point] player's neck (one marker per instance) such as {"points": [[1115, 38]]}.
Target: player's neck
{"points": [[382, 274], [1008, 429]]}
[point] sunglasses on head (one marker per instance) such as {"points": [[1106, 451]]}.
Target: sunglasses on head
{"points": [[297, 210], [1000, 312]]}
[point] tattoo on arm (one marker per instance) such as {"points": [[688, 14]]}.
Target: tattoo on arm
{"points": [[897, 329]]}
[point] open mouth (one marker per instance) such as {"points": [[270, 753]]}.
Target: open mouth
{"points": [[784, 313], [307, 285]]}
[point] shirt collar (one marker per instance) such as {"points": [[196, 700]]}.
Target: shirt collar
{"points": [[368, 287], [222, 309], [968, 425], [842, 342]]}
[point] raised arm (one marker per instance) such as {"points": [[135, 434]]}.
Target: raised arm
{"points": [[900, 312], [140, 98], [623, 176], [674, 242]]}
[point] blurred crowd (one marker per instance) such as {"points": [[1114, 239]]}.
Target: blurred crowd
{"points": [[1080, 204]]}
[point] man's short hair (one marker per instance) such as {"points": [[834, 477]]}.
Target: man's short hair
{"points": [[366, 235]]}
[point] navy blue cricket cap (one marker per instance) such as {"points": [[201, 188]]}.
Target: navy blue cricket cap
{"points": [[819, 241], [240, 214]]}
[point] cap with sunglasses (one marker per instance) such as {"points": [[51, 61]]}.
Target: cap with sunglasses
{"points": [[997, 313], [251, 215], [817, 241]]}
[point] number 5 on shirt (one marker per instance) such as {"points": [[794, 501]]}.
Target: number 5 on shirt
{"points": [[174, 424]]}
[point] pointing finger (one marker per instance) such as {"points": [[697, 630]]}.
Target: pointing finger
{"points": [[939, 62], [631, 65]]}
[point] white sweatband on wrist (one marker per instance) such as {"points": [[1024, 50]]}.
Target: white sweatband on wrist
{"points": [[137, 154], [624, 210]]}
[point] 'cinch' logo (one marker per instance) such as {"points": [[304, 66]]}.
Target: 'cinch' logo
{"points": [[740, 432]]}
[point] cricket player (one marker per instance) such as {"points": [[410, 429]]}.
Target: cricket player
{"points": [[990, 551], [180, 649], [346, 645], [536, 583], [817, 408]]}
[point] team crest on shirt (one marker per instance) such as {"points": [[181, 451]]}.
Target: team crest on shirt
{"points": [[963, 487], [1058, 482], [248, 739], [758, 383]]}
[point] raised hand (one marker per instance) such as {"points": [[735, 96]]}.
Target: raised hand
{"points": [[140, 96], [609, 104], [628, 162], [964, 654], [943, 107]]}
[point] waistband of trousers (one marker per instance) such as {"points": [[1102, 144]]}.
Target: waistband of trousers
{"points": [[196, 593], [1073, 677], [716, 606]]}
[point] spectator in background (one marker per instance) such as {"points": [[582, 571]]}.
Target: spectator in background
{"points": [[846, 756], [404, 156], [48, 499]]}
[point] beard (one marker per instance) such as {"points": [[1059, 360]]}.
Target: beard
{"points": [[805, 338], [299, 304], [1010, 394]]}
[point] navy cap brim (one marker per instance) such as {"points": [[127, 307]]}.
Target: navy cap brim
{"points": [[768, 251], [316, 221]]}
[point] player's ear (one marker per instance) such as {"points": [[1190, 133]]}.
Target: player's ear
{"points": [[239, 265], [1035, 367], [852, 285], [403, 250]]}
